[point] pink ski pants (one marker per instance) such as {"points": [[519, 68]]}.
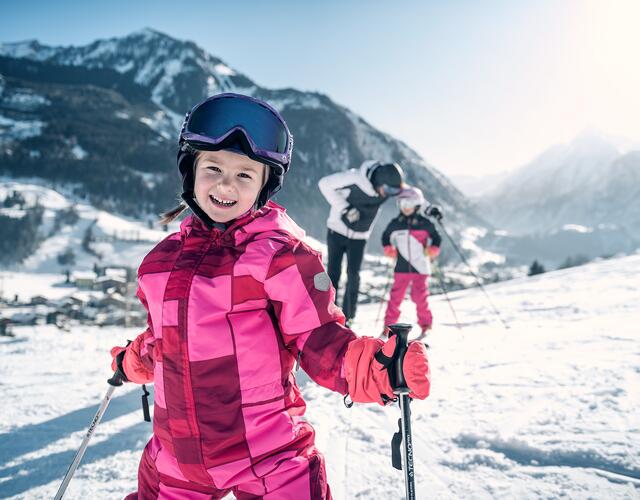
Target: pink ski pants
{"points": [[419, 294]]}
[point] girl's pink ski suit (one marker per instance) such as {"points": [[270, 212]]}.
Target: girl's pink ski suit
{"points": [[229, 314]]}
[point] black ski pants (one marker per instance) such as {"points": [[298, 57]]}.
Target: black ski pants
{"points": [[337, 246]]}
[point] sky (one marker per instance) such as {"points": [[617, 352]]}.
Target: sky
{"points": [[475, 87]]}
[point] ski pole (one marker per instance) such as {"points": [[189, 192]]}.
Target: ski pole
{"points": [[399, 384], [459, 252], [115, 381], [446, 295], [383, 300]]}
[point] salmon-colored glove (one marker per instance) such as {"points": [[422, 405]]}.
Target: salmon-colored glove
{"points": [[433, 252], [390, 251], [368, 379], [131, 364]]}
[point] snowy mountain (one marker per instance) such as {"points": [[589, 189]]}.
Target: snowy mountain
{"points": [[580, 198], [547, 409], [587, 182], [105, 116], [476, 186]]}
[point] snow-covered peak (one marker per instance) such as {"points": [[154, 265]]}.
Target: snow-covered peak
{"points": [[590, 142], [167, 66], [581, 161], [29, 49]]}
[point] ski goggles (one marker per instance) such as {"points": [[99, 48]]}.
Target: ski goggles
{"points": [[214, 122], [406, 203], [390, 190]]}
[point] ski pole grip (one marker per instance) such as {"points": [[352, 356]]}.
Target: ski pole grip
{"points": [[116, 380], [396, 375]]}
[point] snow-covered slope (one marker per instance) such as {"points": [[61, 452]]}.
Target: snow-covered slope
{"points": [[115, 240], [547, 409]]}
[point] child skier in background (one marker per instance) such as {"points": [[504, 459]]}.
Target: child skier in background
{"points": [[234, 299], [414, 242]]}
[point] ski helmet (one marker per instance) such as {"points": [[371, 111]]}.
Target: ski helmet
{"points": [[386, 174], [237, 123], [410, 197]]}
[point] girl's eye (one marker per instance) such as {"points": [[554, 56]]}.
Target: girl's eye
{"points": [[245, 176], [213, 168]]}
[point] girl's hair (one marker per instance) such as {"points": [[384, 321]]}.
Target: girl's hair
{"points": [[171, 215]]}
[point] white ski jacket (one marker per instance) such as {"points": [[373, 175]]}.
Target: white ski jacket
{"points": [[351, 189]]}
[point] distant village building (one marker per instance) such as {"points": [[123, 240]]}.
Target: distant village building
{"points": [[39, 300], [84, 279], [105, 283], [114, 300]]}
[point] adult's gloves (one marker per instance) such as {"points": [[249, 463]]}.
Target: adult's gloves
{"points": [[352, 214], [434, 211], [368, 379]]}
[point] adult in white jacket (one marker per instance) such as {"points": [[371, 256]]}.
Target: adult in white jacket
{"points": [[355, 197]]}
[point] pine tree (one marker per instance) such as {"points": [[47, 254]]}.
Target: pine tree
{"points": [[535, 268]]}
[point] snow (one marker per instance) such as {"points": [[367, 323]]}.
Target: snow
{"points": [[223, 69], [24, 100], [28, 285], [548, 408], [11, 129], [212, 85], [125, 66], [576, 228], [118, 239], [27, 48], [33, 194], [160, 123], [78, 152]]}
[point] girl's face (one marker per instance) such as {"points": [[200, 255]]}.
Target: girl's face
{"points": [[407, 211], [227, 184]]}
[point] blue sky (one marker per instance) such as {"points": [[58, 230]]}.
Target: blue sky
{"points": [[475, 87]]}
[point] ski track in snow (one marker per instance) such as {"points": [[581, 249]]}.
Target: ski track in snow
{"points": [[548, 408]]}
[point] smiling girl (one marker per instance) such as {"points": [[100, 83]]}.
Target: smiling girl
{"points": [[235, 298]]}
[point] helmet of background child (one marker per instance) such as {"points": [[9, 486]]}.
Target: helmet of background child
{"points": [[237, 123], [410, 197], [389, 174]]}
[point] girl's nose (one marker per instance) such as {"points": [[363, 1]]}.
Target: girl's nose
{"points": [[226, 182]]}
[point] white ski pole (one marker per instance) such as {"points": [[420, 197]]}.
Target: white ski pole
{"points": [[114, 382]]}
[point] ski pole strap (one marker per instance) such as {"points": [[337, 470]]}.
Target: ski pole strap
{"points": [[145, 404], [396, 444], [385, 361]]}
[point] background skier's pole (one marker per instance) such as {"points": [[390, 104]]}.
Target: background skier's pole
{"points": [[114, 382], [396, 375], [446, 295], [464, 259], [383, 300]]}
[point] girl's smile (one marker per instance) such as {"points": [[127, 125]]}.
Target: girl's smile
{"points": [[227, 184]]}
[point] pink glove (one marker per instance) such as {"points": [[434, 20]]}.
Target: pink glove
{"points": [[390, 251], [368, 379], [132, 365]]}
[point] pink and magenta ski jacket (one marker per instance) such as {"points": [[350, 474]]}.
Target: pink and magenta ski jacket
{"points": [[411, 235], [229, 313]]}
